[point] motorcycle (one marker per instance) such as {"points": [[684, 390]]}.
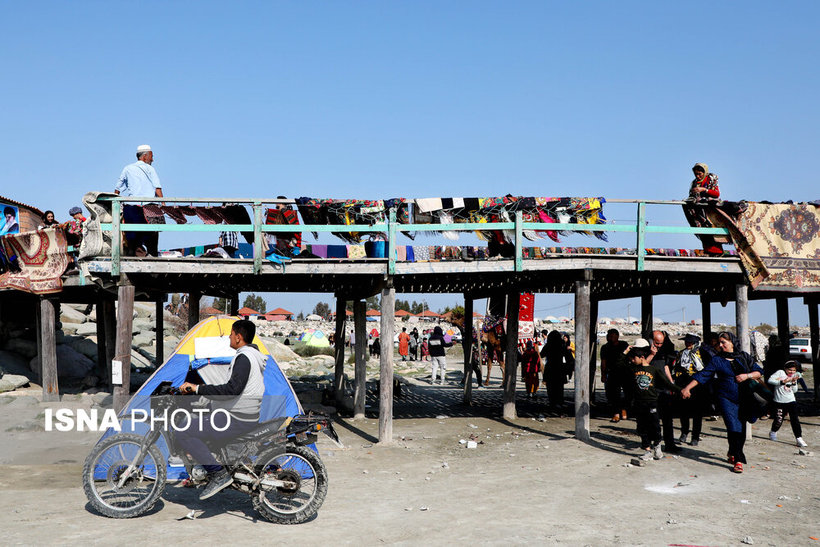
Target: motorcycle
{"points": [[125, 474]]}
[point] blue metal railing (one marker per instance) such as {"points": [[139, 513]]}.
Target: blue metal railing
{"points": [[640, 228]]}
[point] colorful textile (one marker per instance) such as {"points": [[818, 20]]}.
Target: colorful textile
{"points": [[337, 251], [356, 251], [42, 257], [176, 214], [153, 213], [778, 244], [422, 253], [401, 253]]}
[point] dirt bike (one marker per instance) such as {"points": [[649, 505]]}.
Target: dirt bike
{"points": [[125, 474]]}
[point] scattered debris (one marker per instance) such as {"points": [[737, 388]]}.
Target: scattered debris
{"points": [[408, 508], [471, 426], [462, 441], [441, 417], [190, 516], [637, 462], [445, 465], [472, 444], [744, 501], [423, 508], [804, 452], [671, 521], [365, 472], [748, 540]]}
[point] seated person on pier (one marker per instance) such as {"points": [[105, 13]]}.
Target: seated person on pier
{"points": [[704, 189]]}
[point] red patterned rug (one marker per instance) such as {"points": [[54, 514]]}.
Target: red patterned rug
{"points": [[42, 257]]}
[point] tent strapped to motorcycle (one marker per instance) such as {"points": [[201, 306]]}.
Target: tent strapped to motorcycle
{"points": [[206, 349]]}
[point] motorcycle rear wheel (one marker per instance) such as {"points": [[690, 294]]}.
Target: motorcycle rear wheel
{"points": [[298, 464], [103, 469]]}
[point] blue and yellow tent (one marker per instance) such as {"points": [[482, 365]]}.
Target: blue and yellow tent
{"points": [[205, 349]]}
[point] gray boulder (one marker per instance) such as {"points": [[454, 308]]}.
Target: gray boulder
{"points": [[26, 348], [72, 364], [144, 309], [16, 364], [70, 328], [142, 325], [10, 382], [70, 315], [84, 346], [86, 329], [142, 340]]}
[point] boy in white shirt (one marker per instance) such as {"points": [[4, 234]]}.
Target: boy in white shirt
{"points": [[785, 382]]}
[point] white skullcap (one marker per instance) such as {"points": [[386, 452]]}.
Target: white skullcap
{"points": [[143, 148]]}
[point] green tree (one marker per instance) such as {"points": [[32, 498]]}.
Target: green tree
{"points": [[416, 307], [300, 317], [402, 305], [256, 303], [221, 304], [322, 309]]}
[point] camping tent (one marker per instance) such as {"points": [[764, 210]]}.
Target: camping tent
{"points": [[206, 350], [315, 338]]}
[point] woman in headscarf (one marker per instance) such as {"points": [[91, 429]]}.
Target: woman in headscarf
{"points": [[704, 188], [732, 369], [48, 221], [556, 355], [530, 367]]}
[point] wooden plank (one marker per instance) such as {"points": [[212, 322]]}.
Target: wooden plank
{"points": [[646, 316], [110, 320], [814, 336], [48, 349], [360, 375], [742, 317], [706, 314], [194, 299], [125, 321], [511, 358], [339, 350], [391, 243], [582, 321], [467, 346], [116, 237], [102, 363], [593, 346], [640, 245], [233, 309], [782, 306], [259, 246], [388, 309], [159, 355]]}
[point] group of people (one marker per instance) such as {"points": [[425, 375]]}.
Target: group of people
{"points": [[654, 382], [412, 344]]}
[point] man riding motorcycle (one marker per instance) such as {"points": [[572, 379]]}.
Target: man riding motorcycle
{"points": [[240, 397]]}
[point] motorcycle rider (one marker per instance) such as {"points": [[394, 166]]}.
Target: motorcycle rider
{"points": [[240, 396]]}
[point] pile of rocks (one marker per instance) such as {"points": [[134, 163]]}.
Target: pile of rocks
{"points": [[76, 333]]}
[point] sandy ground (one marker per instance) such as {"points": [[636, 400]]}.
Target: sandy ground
{"points": [[529, 482]]}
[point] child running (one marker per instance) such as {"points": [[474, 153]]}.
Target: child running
{"points": [[648, 380], [785, 382]]}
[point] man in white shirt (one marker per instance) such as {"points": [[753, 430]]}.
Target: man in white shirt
{"points": [[139, 180]]}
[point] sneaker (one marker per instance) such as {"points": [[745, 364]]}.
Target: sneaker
{"points": [[647, 456], [672, 448], [657, 453], [695, 441], [684, 437], [218, 482], [623, 414], [616, 418], [773, 436], [801, 443], [738, 468]]}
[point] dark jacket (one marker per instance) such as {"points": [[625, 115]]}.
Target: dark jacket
{"points": [[437, 344]]}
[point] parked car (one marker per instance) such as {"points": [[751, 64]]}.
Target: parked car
{"points": [[800, 349]]}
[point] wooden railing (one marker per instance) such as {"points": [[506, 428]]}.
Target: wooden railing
{"points": [[258, 206]]}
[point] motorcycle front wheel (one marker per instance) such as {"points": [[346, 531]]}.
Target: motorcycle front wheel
{"points": [[103, 471], [304, 471]]}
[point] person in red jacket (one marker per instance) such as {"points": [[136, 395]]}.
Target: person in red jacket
{"points": [[530, 367], [703, 189]]}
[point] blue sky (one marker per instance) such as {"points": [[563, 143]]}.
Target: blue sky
{"points": [[414, 99]]}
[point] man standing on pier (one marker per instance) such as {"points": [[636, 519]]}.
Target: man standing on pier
{"points": [[139, 180]]}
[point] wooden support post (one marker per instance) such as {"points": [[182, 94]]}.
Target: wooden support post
{"points": [[339, 350], [706, 315], [194, 299], [103, 366], [122, 354], [782, 304], [742, 317], [646, 317], [511, 358], [159, 354], [467, 346], [360, 330], [110, 319], [814, 335], [582, 317], [742, 329], [234, 307], [593, 347], [48, 350], [388, 309]]}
